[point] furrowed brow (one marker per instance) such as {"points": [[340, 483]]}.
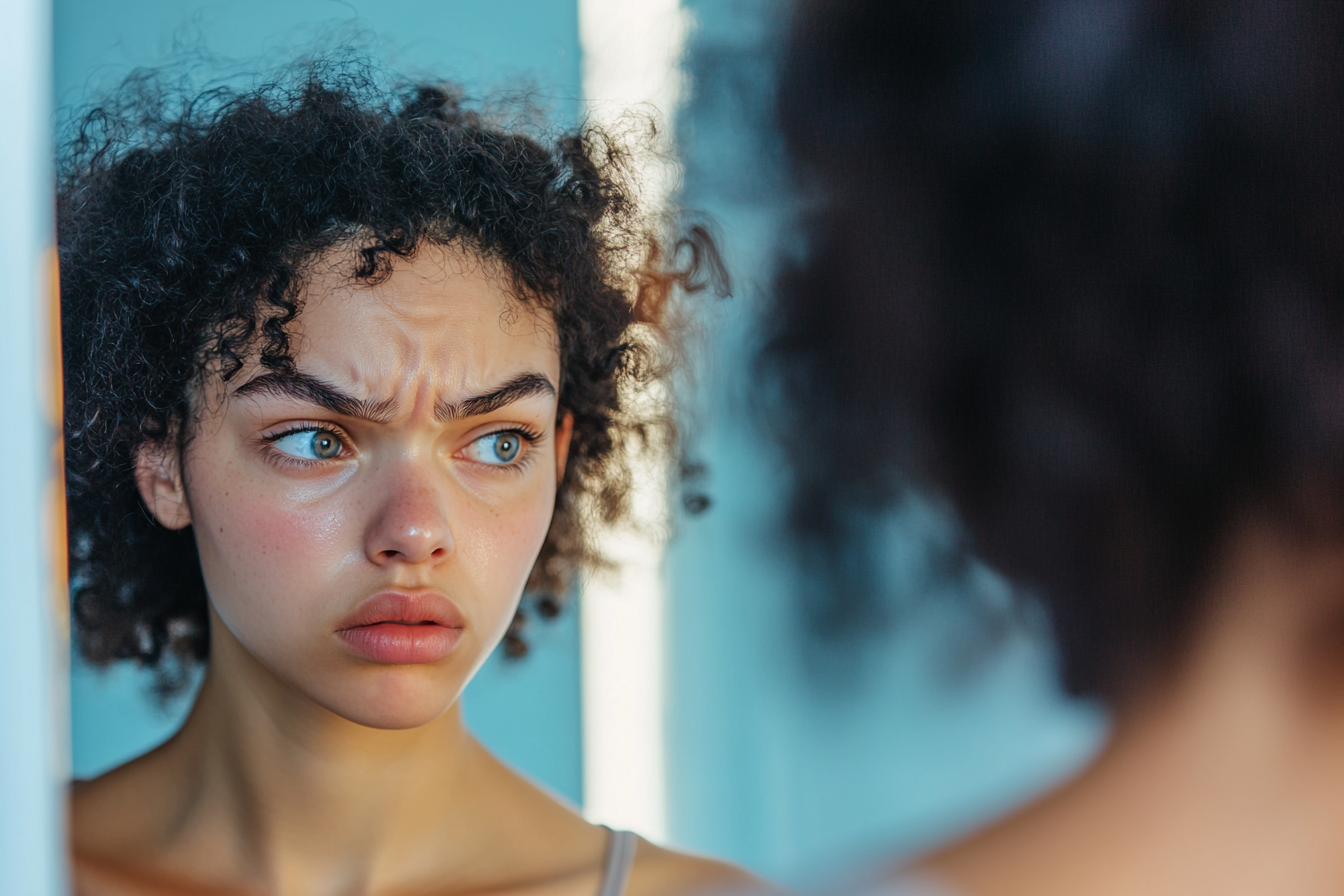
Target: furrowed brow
{"points": [[307, 388], [522, 386]]}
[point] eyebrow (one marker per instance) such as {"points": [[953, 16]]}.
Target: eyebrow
{"points": [[305, 387], [524, 385]]}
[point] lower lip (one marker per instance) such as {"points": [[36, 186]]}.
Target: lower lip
{"points": [[402, 645]]}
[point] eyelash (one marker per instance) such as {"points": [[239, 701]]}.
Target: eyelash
{"points": [[527, 434], [280, 457]]}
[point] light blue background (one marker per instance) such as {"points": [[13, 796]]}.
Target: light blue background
{"points": [[482, 45], [794, 773]]}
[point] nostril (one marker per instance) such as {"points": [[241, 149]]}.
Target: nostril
{"points": [[407, 533]]}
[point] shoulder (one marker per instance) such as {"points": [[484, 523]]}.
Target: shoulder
{"points": [[122, 809], [665, 872], [110, 841], [105, 813], [119, 823]]}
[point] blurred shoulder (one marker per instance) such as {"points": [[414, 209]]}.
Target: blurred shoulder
{"points": [[665, 872], [117, 812]]}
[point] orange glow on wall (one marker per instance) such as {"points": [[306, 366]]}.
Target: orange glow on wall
{"points": [[53, 405]]}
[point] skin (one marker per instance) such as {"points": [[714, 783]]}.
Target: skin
{"points": [[1226, 780], [304, 766]]}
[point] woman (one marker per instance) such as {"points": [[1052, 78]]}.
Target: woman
{"points": [[1077, 266], [347, 373]]}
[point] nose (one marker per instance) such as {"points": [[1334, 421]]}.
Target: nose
{"points": [[411, 524]]}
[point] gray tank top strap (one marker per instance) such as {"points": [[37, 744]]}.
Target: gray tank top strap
{"points": [[620, 856]]}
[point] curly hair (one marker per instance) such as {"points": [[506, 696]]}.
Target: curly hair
{"points": [[185, 222], [1077, 266]]}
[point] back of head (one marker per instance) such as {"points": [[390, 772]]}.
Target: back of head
{"points": [[1076, 264]]}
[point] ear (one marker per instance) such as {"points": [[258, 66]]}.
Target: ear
{"points": [[564, 432], [158, 475]]}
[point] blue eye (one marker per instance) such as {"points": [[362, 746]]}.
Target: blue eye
{"points": [[310, 444], [498, 448]]}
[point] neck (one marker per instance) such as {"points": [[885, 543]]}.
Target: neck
{"points": [[1228, 781], [311, 801]]}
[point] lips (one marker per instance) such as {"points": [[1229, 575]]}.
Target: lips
{"points": [[403, 628]]}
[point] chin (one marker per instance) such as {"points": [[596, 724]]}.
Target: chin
{"points": [[393, 718], [396, 699]]}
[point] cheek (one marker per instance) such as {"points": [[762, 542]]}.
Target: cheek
{"points": [[283, 561], [266, 554], [503, 541]]}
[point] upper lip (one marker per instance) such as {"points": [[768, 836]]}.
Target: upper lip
{"points": [[407, 608]]}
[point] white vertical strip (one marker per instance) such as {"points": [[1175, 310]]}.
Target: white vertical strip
{"points": [[631, 62], [32, 745]]}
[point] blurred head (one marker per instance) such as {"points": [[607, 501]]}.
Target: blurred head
{"points": [[342, 358], [1076, 265]]}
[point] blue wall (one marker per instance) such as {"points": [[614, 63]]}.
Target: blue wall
{"points": [[527, 712], [499, 44]]}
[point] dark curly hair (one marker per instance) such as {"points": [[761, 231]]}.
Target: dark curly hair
{"points": [[1078, 266], [185, 222]]}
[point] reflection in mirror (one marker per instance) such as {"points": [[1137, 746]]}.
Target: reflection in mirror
{"points": [[352, 364]]}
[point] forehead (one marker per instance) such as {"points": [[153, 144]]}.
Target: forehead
{"points": [[443, 317]]}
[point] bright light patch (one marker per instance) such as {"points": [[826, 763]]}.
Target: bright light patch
{"points": [[631, 64]]}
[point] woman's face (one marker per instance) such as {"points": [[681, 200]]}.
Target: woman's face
{"points": [[366, 525]]}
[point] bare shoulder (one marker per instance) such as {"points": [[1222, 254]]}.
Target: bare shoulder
{"points": [[117, 825], [102, 851], [665, 872], [117, 811], [98, 812]]}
